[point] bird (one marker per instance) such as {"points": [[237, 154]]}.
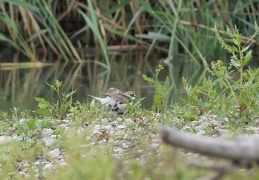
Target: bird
{"points": [[117, 99], [108, 100]]}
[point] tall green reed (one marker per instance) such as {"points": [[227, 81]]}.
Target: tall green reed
{"points": [[173, 28], [93, 24]]}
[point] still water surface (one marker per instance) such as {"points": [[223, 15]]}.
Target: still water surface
{"points": [[18, 86]]}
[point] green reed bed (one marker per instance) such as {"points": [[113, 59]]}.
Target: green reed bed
{"points": [[67, 29]]}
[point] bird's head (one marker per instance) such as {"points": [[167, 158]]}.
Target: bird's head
{"points": [[131, 94]]}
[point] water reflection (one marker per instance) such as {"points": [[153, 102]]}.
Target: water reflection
{"points": [[18, 87]]}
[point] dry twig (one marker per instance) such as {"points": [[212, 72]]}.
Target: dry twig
{"points": [[243, 151]]}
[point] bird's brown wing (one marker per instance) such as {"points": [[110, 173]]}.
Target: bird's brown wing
{"points": [[121, 97], [113, 90], [117, 95]]}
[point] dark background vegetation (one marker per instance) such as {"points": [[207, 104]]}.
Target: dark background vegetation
{"points": [[74, 30]]}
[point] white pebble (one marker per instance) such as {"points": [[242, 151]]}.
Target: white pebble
{"points": [[125, 146], [48, 166], [47, 132], [48, 141], [63, 164], [121, 126], [119, 119], [125, 136], [54, 136], [55, 153]]}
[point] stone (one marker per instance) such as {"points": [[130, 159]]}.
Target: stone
{"points": [[48, 141], [46, 132], [121, 126], [55, 153], [48, 166]]}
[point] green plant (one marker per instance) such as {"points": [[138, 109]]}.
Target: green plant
{"points": [[227, 95], [58, 110], [244, 89], [29, 127], [134, 107], [162, 93]]}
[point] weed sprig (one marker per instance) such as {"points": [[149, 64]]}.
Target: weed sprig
{"points": [[162, 93], [55, 110]]}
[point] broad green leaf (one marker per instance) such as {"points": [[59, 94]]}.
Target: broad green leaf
{"points": [[70, 94], [235, 63], [245, 48], [43, 112], [51, 86], [247, 58], [232, 48], [237, 41], [40, 100]]}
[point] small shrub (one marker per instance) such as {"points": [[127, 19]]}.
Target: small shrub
{"points": [[235, 98], [162, 93], [58, 110]]}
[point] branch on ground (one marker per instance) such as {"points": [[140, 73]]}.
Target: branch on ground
{"points": [[244, 151]]}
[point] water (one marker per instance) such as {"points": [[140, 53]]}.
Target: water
{"points": [[19, 86]]}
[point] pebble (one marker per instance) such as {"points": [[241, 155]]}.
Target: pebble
{"points": [[63, 163], [125, 146], [49, 141], [126, 136], [24, 174], [37, 163], [119, 119], [54, 136], [46, 132], [55, 153], [121, 126], [48, 166]]}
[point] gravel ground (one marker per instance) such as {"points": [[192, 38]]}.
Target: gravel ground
{"points": [[123, 133]]}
